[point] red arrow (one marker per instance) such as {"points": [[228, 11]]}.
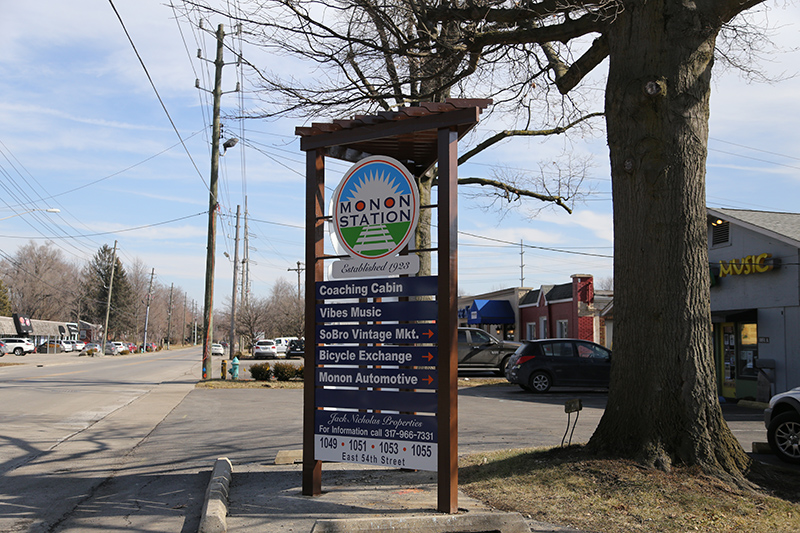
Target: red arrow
{"points": [[429, 333], [428, 379], [429, 357]]}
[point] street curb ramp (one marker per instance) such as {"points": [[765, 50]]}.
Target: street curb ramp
{"points": [[215, 507], [463, 523]]}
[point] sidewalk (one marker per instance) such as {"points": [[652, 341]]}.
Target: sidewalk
{"points": [[356, 498]]}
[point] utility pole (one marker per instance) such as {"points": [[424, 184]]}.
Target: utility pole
{"points": [[169, 315], [235, 277], [108, 303], [246, 260], [183, 327], [208, 304], [299, 269], [521, 265], [147, 310]]}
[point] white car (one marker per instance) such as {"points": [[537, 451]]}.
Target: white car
{"points": [[18, 345], [77, 346], [782, 420], [265, 349], [217, 349], [93, 348]]}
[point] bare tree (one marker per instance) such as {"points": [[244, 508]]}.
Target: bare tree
{"points": [[662, 407], [252, 318], [41, 283]]}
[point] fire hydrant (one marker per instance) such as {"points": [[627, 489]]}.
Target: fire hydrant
{"points": [[234, 371], [224, 369]]}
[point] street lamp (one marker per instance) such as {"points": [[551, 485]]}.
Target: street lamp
{"points": [[48, 210]]}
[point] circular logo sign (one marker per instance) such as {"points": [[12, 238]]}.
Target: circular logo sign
{"points": [[375, 208]]}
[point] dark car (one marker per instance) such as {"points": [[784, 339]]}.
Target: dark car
{"points": [[782, 420], [296, 348], [477, 350], [540, 364]]}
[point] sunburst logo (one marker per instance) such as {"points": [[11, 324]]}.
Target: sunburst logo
{"points": [[375, 208]]}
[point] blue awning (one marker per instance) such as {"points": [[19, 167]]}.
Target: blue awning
{"points": [[491, 312]]}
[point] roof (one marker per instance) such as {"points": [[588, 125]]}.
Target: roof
{"points": [[559, 292], [783, 226], [491, 312], [391, 133]]}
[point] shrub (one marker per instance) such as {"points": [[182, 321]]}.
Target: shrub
{"points": [[299, 371], [284, 371], [261, 372]]}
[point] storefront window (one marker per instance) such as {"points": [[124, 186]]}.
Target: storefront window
{"points": [[748, 350]]}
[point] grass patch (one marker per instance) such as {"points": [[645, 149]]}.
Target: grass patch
{"points": [[567, 486]]}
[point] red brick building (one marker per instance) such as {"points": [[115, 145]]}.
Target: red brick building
{"points": [[569, 310]]}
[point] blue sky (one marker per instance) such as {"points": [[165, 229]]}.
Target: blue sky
{"points": [[84, 132]]}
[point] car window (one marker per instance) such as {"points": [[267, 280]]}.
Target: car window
{"points": [[558, 349], [591, 350], [462, 336], [479, 337]]}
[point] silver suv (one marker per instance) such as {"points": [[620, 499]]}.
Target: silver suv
{"points": [[18, 345], [477, 350], [782, 419]]}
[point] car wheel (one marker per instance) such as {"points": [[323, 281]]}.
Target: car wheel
{"points": [[783, 435], [501, 371], [540, 382], [17, 351]]}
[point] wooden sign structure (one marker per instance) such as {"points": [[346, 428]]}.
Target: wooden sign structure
{"points": [[418, 137]]}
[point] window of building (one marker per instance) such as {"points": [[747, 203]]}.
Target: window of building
{"points": [[562, 329], [531, 330], [542, 327]]}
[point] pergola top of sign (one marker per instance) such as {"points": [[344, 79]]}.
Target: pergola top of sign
{"points": [[407, 134]]}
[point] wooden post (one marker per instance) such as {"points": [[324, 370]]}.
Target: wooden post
{"points": [[448, 336], [315, 248]]}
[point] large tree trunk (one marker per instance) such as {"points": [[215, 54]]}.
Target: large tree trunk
{"points": [[662, 405]]}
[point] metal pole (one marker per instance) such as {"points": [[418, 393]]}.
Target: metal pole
{"points": [[108, 303], [208, 307], [235, 276]]}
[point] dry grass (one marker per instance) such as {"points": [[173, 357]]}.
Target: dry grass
{"points": [[247, 384], [566, 486]]}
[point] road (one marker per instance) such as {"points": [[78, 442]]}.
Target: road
{"points": [[128, 443], [68, 423]]}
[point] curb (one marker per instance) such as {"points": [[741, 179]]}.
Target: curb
{"points": [[215, 507], [478, 522]]}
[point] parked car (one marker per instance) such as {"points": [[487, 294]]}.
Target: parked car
{"points": [[54, 346], [77, 346], [113, 348], [478, 350], [3, 349], [296, 348], [217, 349], [265, 349], [782, 419], [282, 344], [18, 345], [93, 348], [540, 364]]}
